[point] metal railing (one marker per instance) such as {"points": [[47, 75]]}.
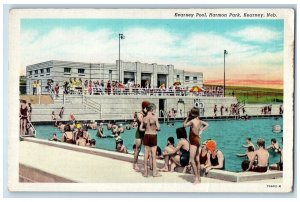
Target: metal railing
{"points": [[88, 103]]}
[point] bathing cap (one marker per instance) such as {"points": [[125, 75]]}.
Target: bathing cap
{"points": [[211, 145], [145, 104]]}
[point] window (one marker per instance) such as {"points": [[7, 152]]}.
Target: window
{"points": [[42, 71], [30, 72], [67, 70], [178, 77], [48, 70], [36, 72], [187, 78], [80, 71], [195, 79]]}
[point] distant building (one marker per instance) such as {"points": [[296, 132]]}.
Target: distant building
{"points": [[137, 72]]}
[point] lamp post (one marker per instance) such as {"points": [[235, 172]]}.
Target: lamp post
{"points": [[225, 52], [121, 36]]}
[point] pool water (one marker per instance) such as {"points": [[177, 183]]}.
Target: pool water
{"points": [[230, 135]]}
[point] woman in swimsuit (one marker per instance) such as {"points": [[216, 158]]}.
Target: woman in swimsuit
{"points": [[181, 154], [196, 127], [68, 136], [23, 117], [203, 156], [215, 157]]}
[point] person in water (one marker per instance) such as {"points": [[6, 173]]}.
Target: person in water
{"points": [[249, 154], [150, 125], [196, 127], [262, 158], [139, 135], [274, 146], [54, 138], [215, 157], [120, 147], [181, 154], [249, 143], [279, 165]]}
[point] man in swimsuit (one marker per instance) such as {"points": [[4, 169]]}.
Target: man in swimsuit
{"points": [[139, 135], [274, 145], [249, 143], [196, 127], [150, 125], [262, 157]]}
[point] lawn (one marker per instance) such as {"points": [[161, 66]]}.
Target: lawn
{"points": [[255, 95]]}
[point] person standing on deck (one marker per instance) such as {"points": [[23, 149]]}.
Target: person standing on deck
{"points": [[196, 127], [139, 135]]}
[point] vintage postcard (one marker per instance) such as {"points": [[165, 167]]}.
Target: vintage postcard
{"points": [[151, 100]]}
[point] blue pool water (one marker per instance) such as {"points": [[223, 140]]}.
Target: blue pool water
{"points": [[230, 135]]}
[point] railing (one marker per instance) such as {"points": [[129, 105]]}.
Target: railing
{"points": [[164, 114], [34, 131], [143, 92], [88, 103]]}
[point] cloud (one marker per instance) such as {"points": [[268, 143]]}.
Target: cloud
{"points": [[257, 34], [195, 51]]}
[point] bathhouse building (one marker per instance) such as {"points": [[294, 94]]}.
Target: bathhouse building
{"points": [[137, 72]]}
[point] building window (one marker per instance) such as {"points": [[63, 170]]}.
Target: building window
{"points": [[30, 72], [48, 70], [187, 78], [80, 71], [42, 71], [110, 75], [178, 77], [36, 72], [67, 70], [195, 79]]}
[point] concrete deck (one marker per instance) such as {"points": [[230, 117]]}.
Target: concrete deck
{"points": [[44, 161]]}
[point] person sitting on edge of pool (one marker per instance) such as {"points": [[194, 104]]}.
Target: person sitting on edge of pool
{"points": [[180, 156], [274, 145], [249, 143], [262, 158], [169, 149], [215, 157], [120, 147]]}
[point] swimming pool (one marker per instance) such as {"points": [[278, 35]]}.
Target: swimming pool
{"points": [[230, 135]]}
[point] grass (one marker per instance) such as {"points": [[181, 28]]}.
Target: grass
{"points": [[254, 95]]}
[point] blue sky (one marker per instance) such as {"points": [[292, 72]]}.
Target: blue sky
{"points": [[255, 46]]}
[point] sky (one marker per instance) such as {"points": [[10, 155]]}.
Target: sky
{"points": [[255, 47]]}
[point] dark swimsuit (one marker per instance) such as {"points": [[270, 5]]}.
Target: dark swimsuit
{"points": [[24, 113], [259, 169], [150, 140], [185, 157], [139, 134], [215, 162], [203, 159], [194, 139]]}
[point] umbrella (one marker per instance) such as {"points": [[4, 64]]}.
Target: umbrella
{"points": [[196, 89], [176, 83]]}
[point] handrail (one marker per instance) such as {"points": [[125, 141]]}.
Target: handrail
{"points": [[164, 114]]}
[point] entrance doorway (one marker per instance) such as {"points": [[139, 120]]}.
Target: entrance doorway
{"points": [[161, 107], [128, 77], [161, 79], [145, 78]]}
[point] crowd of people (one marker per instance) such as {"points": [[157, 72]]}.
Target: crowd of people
{"points": [[257, 159], [233, 110], [189, 153], [100, 87]]}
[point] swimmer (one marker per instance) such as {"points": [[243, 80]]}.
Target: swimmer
{"points": [[120, 147], [274, 145], [249, 143], [54, 138], [93, 125], [81, 140], [249, 154]]}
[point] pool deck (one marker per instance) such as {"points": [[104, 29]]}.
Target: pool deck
{"points": [[45, 161]]}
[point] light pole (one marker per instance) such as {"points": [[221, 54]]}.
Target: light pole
{"points": [[121, 36], [225, 52]]}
